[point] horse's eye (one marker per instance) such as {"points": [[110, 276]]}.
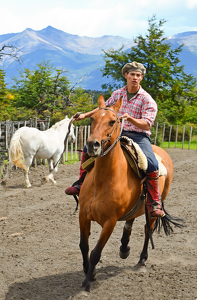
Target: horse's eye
{"points": [[111, 123]]}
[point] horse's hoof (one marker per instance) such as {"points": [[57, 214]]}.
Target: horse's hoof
{"points": [[140, 268], [3, 182], [86, 285], [124, 255], [43, 181]]}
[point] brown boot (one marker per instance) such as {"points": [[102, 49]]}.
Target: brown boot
{"points": [[153, 195], [73, 190]]}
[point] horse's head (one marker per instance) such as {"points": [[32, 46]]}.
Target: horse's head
{"points": [[104, 128], [72, 136]]}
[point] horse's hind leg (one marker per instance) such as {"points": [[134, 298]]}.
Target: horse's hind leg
{"points": [[144, 253], [27, 182], [28, 161], [124, 248]]}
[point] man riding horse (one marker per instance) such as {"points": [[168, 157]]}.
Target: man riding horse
{"points": [[139, 111]]}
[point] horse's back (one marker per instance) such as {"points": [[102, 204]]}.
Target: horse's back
{"points": [[29, 136], [25, 132], [166, 159]]}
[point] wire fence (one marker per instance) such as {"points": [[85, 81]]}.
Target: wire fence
{"points": [[174, 136], [165, 136]]}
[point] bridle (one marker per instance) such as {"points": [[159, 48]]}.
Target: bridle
{"points": [[103, 153]]}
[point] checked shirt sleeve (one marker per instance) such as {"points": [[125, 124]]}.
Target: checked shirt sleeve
{"points": [[149, 110]]}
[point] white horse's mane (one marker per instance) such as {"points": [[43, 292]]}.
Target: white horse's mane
{"points": [[60, 123]]}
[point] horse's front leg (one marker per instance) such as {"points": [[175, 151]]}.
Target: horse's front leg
{"points": [[144, 253], [96, 252], [124, 248], [84, 237]]}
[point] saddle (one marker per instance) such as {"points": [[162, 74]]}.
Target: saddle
{"points": [[135, 157]]}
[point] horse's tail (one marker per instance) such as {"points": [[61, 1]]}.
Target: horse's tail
{"points": [[167, 221], [16, 153]]}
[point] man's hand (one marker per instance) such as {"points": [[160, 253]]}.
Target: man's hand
{"points": [[79, 116], [125, 116]]}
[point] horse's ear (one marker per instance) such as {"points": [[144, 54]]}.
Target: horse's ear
{"points": [[101, 101], [118, 105]]}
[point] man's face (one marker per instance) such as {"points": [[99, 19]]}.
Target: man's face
{"points": [[133, 78]]}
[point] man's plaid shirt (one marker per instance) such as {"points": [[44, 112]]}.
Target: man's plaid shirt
{"points": [[141, 106]]}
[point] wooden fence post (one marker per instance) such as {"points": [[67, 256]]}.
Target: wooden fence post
{"points": [[183, 137], [71, 151], [190, 137], [170, 136], [176, 135], [35, 122], [47, 123], [6, 134], [163, 135]]}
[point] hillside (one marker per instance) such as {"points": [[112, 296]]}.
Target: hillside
{"points": [[81, 56]]}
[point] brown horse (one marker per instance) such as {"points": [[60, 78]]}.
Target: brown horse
{"points": [[111, 189]]}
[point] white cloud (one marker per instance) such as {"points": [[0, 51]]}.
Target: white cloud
{"points": [[9, 21], [97, 17], [191, 4]]}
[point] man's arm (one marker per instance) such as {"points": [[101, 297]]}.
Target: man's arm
{"points": [[85, 115], [140, 123]]}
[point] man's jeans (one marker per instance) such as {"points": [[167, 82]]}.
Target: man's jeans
{"points": [[143, 140]]}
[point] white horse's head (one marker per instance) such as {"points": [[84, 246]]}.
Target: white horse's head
{"points": [[71, 136]]}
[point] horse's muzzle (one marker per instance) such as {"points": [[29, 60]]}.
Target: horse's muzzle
{"points": [[93, 148], [72, 139]]}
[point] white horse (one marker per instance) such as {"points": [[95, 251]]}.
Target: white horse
{"points": [[28, 142]]}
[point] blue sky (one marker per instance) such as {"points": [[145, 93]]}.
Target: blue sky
{"points": [[95, 18]]}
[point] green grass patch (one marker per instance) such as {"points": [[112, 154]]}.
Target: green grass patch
{"points": [[193, 145], [69, 161]]}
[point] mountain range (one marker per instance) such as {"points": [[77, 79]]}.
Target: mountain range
{"points": [[80, 55]]}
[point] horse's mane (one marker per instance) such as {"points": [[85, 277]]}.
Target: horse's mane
{"points": [[60, 123]]}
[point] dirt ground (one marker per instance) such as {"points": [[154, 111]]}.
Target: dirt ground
{"points": [[39, 249]]}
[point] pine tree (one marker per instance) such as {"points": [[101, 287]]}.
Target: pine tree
{"points": [[165, 79]]}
